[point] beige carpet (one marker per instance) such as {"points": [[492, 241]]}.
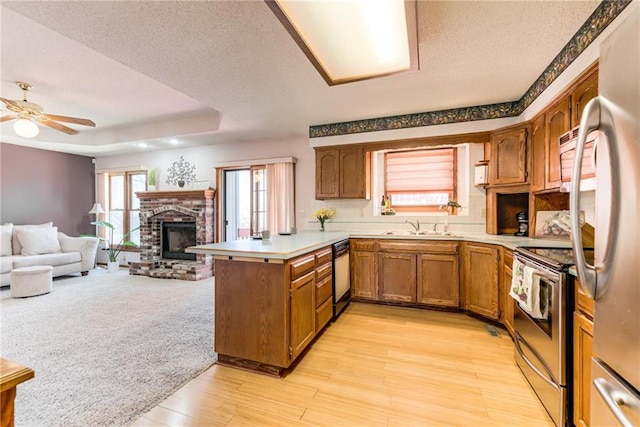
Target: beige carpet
{"points": [[106, 347]]}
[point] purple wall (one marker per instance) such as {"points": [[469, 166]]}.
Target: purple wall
{"points": [[39, 186]]}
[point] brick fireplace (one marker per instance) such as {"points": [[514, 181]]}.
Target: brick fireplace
{"points": [[174, 207]]}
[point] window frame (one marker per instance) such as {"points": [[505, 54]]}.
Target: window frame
{"points": [[128, 195], [452, 192]]}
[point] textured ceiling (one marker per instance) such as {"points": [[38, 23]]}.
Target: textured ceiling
{"points": [[211, 72]]}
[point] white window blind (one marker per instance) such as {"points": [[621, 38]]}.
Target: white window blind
{"points": [[420, 180]]}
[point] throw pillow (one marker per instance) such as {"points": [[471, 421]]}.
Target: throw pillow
{"points": [[17, 247], [39, 240], [5, 239]]}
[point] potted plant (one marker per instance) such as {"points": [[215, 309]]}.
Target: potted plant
{"points": [[151, 179], [452, 207], [113, 250]]}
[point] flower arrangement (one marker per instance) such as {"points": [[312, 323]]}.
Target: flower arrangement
{"points": [[181, 172], [322, 215]]}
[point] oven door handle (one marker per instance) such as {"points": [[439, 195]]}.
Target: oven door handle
{"points": [[541, 374]]}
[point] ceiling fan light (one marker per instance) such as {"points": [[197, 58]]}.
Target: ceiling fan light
{"points": [[26, 128]]}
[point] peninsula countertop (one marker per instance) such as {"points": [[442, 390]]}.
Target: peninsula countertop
{"points": [[276, 247], [290, 246]]}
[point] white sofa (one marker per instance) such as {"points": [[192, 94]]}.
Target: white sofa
{"points": [[29, 245]]}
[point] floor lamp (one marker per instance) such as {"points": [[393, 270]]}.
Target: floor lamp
{"points": [[96, 210]]}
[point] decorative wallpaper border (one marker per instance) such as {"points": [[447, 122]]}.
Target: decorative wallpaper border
{"points": [[604, 14]]}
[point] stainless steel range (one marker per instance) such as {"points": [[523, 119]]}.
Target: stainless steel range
{"points": [[543, 342]]}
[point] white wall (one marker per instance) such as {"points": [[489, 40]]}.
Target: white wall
{"points": [[204, 157]]}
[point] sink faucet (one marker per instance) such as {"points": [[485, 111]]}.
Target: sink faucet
{"points": [[415, 226], [435, 227]]}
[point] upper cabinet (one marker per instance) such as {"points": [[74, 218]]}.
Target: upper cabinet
{"points": [[508, 163], [557, 121], [585, 90], [342, 173], [564, 114]]}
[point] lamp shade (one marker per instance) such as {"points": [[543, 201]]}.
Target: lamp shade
{"points": [[96, 209], [26, 128]]}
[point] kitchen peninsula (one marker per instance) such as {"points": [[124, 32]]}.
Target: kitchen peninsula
{"points": [[272, 297]]}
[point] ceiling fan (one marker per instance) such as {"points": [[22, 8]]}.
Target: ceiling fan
{"points": [[28, 112]]}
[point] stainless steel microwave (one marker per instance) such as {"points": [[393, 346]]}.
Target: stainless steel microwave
{"points": [[567, 143]]}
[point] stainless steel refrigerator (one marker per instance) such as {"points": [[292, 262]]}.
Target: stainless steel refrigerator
{"points": [[614, 278]]}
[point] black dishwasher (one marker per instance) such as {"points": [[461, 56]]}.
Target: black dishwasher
{"points": [[341, 277]]}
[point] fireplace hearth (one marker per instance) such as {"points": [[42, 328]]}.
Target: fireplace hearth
{"points": [[176, 237]]}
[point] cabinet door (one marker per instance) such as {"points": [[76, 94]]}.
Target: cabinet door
{"points": [[583, 93], [509, 156], [582, 352], [363, 275], [508, 307], [352, 173], [327, 174], [397, 276], [537, 161], [303, 313], [557, 122], [481, 280], [438, 282]]}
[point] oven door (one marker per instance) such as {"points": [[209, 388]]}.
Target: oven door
{"points": [[540, 349]]}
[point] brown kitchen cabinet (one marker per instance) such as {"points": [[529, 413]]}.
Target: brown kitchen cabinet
{"points": [[508, 163], [364, 281], [585, 90], [582, 352], [481, 273], [342, 173], [268, 311], [507, 303], [438, 276], [397, 276], [557, 121], [537, 153]]}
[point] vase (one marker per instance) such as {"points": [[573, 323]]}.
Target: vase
{"points": [[113, 266], [180, 184], [321, 225]]}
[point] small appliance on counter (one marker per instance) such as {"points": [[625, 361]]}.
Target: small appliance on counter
{"points": [[523, 223]]}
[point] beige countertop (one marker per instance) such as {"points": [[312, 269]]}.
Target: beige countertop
{"points": [[287, 247]]}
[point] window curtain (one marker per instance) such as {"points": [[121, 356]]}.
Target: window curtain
{"points": [[281, 213]]}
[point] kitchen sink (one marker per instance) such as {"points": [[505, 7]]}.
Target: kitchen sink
{"points": [[419, 233]]}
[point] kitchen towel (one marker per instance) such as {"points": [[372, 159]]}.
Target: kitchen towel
{"points": [[525, 288]]}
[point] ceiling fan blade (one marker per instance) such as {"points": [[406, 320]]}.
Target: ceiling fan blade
{"points": [[57, 126], [9, 103], [7, 118], [76, 120]]}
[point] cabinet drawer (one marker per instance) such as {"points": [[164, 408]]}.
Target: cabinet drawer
{"points": [[323, 271], [324, 256], [302, 266], [323, 290], [363, 245], [323, 315]]}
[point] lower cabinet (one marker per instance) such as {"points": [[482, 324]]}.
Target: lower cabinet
{"points": [[364, 279], [303, 313], [508, 303], [438, 280], [582, 352], [397, 276], [481, 279]]}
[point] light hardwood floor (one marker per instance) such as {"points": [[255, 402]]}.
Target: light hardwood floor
{"points": [[376, 366]]}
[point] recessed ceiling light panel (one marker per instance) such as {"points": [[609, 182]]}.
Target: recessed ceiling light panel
{"points": [[352, 40]]}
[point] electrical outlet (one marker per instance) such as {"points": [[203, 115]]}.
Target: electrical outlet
{"points": [[483, 212]]}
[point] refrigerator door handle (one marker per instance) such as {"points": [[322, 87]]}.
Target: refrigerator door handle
{"points": [[596, 116], [617, 400]]}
